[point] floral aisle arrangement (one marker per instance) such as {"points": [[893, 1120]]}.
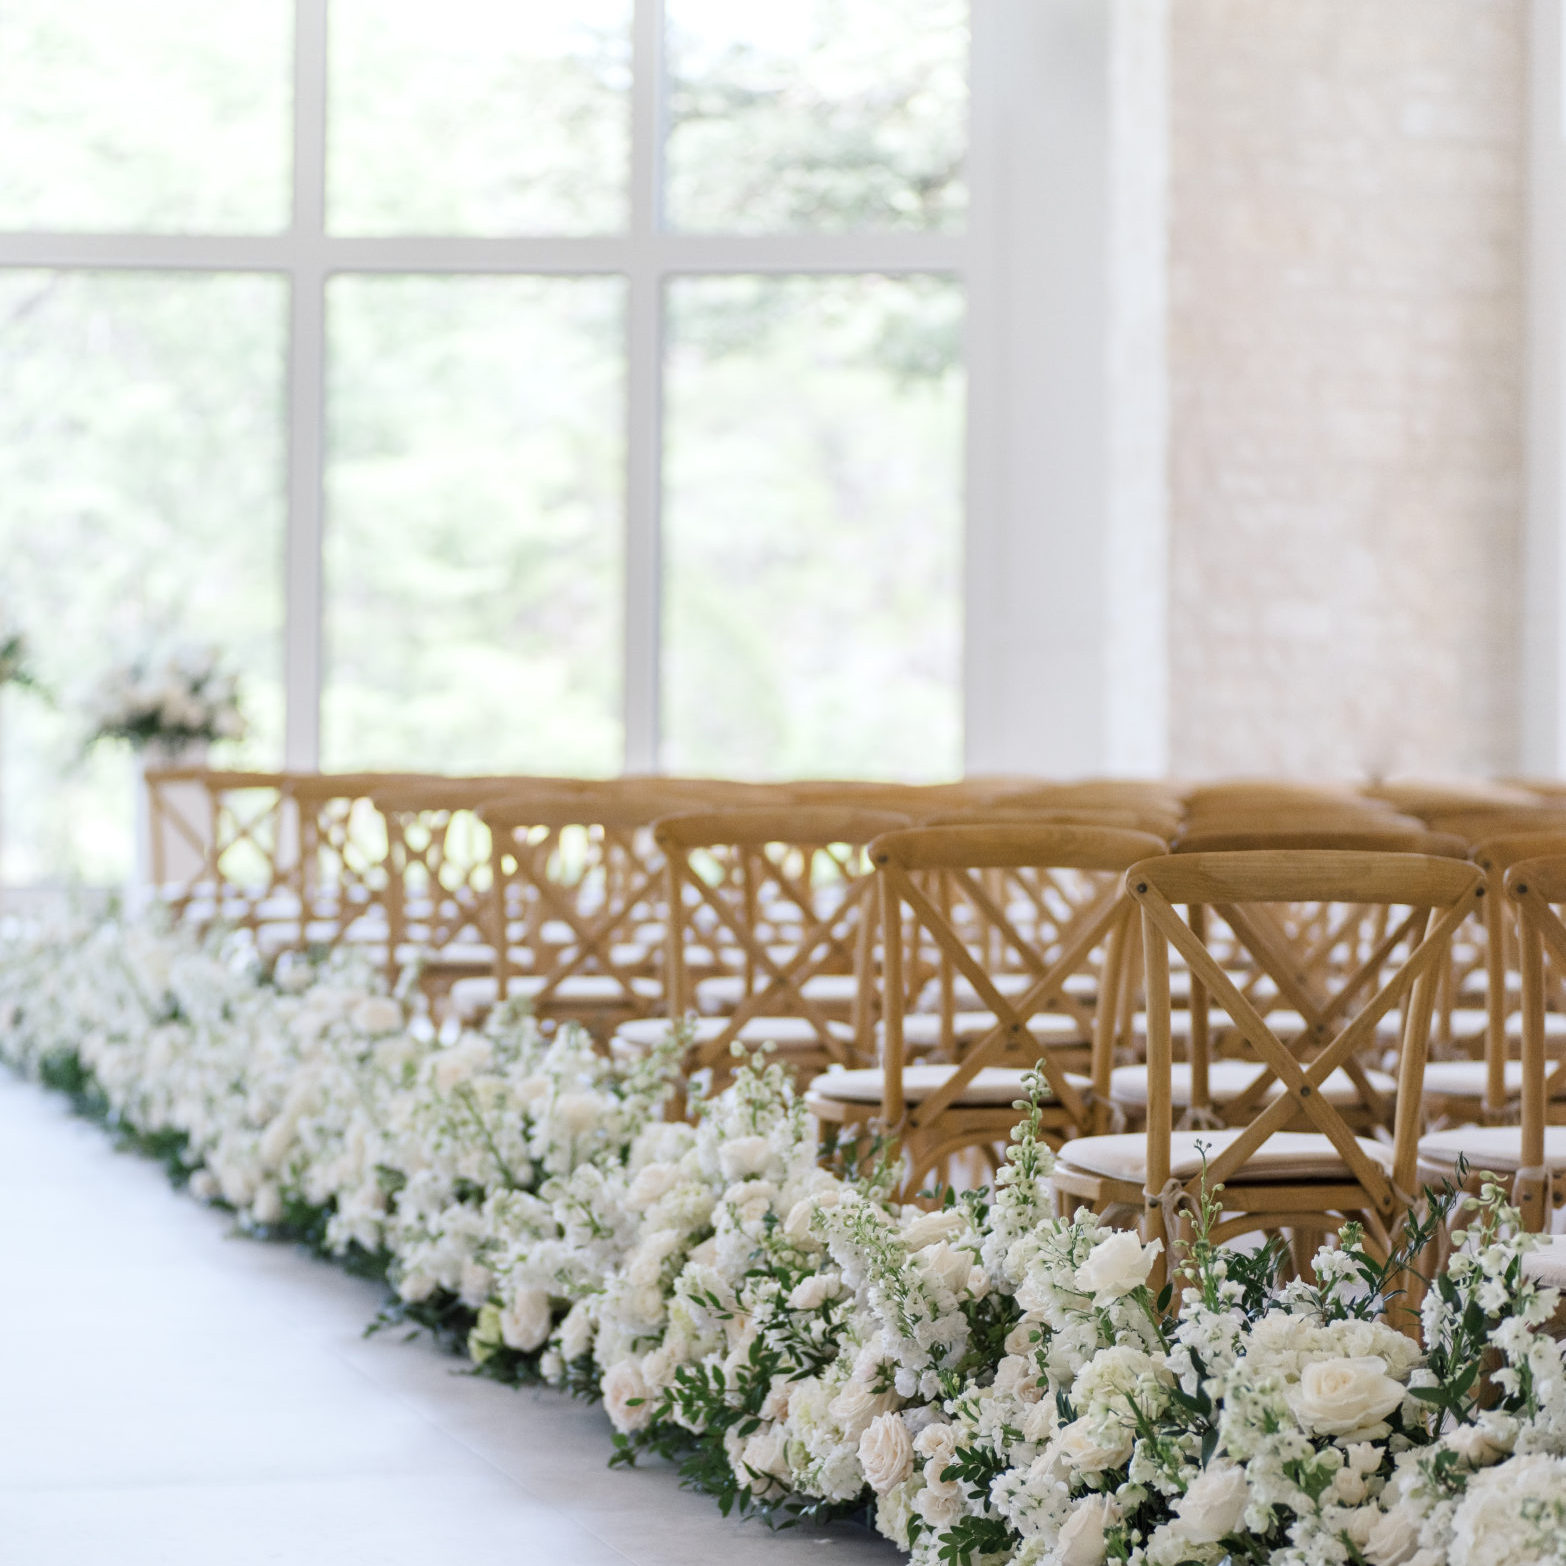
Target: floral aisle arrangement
{"points": [[993, 1383], [167, 701]]}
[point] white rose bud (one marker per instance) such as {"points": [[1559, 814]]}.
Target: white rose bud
{"points": [[885, 1452], [376, 1014], [1335, 1397], [578, 1111], [813, 1292], [652, 1183], [1116, 1267]]}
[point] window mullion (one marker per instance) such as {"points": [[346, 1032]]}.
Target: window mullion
{"points": [[302, 665]]}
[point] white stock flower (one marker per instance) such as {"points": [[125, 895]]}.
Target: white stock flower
{"points": [[1337, 1397], [1116, 1266], [886, 1452]]}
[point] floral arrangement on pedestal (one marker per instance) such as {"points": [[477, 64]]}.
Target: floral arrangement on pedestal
{"points": [[168, 702], [996, 1384]]}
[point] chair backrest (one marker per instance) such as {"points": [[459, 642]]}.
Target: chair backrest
{"points": [[1427, 898], [933, 874], [787, 894], [221, 843], [575, 876], [1536, 888]]}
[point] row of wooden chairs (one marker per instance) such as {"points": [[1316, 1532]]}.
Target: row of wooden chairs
{"points": [[919, 948]]}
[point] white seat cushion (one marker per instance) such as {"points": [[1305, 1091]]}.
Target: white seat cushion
{"points": [[786, 1032], [1548, 1263], [471, 996], [1466, 1078], [994, 1086], [1496, 1148], [1285, 1155], [725, 991], [1228, 1079], [922, 1029], [1286, 1023]]}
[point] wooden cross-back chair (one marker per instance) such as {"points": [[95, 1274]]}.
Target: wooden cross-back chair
{"points": [[1275, 1177], [1300, 967], [938, 1108], [221, 844], [1530, 1155], [1479, 1075], [786, 895], [578, 902], [343, 876], [439, 903]]}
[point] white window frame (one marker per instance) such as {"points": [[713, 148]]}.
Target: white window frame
{"points": [[1062, 265]]}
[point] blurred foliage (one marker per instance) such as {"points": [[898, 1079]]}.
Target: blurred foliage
{"points": [[475, 477]]}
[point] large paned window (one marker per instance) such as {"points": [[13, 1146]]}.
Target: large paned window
{"points": [[507, 385]]}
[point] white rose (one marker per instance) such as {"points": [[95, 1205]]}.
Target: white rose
{"points": [[927, 1228], [476, 1284], [531, 1089], [652, 1183], [578, 1111], [937, 1445], [1393, 1538], [1090, 1447], [1116, 1267], [885, 1452], [625, 1397], [576, 1331], [1478, 1445], [947, 1265], [1082, 1541], [744, 1157], [1336, 1396], [525, 1322], [763, 1453], [1214, 1506], [268, 1205], [797, 1225], [377, 1014], [813, 1292], [855, 1406], [939, 1503]]}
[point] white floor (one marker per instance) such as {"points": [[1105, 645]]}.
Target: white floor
{"points": [[171, 1395]]}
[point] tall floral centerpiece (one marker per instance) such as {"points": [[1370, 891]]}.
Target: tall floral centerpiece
{"points": [[169, 705]]}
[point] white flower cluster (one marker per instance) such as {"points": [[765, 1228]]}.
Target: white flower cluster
{"points": [[1004, 1386], [182, 695]]}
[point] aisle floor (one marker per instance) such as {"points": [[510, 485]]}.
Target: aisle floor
{"points": [[173, 1395]]}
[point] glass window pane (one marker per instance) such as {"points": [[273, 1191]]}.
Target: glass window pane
{"points": [[474, 528], [819, 115], [166, 118], [813, 540], [141, 470], [479, 116]]}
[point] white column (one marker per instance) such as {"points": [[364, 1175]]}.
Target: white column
{"points": [[302, 661], [1542, 722], [1066, 578]]}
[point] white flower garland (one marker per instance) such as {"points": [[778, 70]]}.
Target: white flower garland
{"points": [[1002, 1386]]}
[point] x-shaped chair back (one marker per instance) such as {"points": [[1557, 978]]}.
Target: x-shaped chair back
{"points": [[1536, 888], [1496, 855], [927, 873], [343, 879], [234, 832], [789, 893], [581, 872], [1426, 899]]}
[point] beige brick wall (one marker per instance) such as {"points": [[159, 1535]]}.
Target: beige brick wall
{"points": [[1345, 343]]}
